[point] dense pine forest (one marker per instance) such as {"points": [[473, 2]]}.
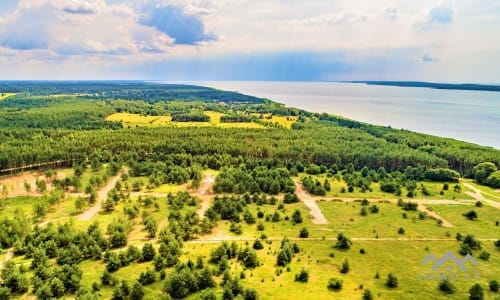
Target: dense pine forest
{"points": [[51, 121]]}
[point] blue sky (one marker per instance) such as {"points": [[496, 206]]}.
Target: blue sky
{"points": [[314, 40]]}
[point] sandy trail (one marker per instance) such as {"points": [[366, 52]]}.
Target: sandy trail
{"points": [[434, 215], [101, 196], [477, 194], [317, 216], [204, 192]]}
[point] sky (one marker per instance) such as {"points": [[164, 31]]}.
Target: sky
{"points": [[276, 40]]}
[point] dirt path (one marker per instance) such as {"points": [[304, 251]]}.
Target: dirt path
{"points": [[101, 196], [317, 216], [477, 194], [434, 215], [204, 193]]}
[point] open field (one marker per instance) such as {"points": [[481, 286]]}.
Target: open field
{"points": [[5, 95], [128, 119], [434, 190]]}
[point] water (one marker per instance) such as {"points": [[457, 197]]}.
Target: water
{"points": [[472, 116]]}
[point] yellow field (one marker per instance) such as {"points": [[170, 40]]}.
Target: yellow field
{"points": [[283, 121], [140, 120], [128, 119], [5, 95]]}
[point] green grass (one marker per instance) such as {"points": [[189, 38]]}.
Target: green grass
{"points": [[483, 227], [315, 257], [345, 217], [488, 192], [434, 189], [10, 205]]}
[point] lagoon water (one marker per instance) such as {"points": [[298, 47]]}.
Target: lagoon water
{"points": [[472, 116]]}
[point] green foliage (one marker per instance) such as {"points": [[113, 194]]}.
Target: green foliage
{"points": [[345, 267], [493, 285], [392, 281], [343, 243], [471, 215], [304, 233], [447, 287], [476, 292], [335, 284], [302, 276], [483, 170]]}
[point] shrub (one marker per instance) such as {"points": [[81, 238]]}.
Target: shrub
{"points": [[494, 286], [392, 281], [335, 284], [302, 276], [447, 287], [401, 230], [471, 215], [476, 292], [345, 267], [484, 255], [304, 233], [367, 295]]}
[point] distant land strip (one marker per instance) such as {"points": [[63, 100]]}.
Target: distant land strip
{"points": [[440, 86]]}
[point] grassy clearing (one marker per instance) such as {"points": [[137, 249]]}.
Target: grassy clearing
{"points": [[346, 217], [434, 189], [483, 227], [132, 120], [22, 203], [5, 95], [128, 119], [282, 121]]}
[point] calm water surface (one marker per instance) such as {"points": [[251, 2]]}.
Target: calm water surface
{"points": [[465, 115]]}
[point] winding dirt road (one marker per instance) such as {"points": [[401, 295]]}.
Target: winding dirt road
{"points": [[317, 216], [101, 196], [477, 194], [204, 192]]}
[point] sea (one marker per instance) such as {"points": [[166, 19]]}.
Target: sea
{"points": [[472, 116]]}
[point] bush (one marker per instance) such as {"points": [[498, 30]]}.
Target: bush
{"points": [[447, 287], [476, 292], [367, 295], [304, 233], [471, 215], [484, 255], [392, 281], [345, 267], [335, 284], [401, 230], [302, 276], [257, 245], [494, 286]]}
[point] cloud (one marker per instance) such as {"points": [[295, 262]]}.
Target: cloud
{"points": [[183, 28], [441, 14], [79, 27], [427, 58], [84, 8], [438, 15], [337, 19], [390, 13]]}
